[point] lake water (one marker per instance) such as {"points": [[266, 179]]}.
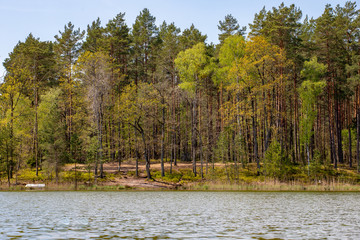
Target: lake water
{"points": [[179, 215]]}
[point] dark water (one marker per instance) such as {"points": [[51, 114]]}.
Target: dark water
{"points": [[179, 215]]}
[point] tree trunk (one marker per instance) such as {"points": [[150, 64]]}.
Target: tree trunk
{"points": [[358, 128], [137, 162], [36, 145], [7, 164], [100, 147], [255, 144], [162, 139], [201, 157], [11, 135], [308, 157], [331, 135], [210, 131], [338, 130], [200, 140], [120, 152], [75, 178], [193, 133], [138, 127], [146, 154], [349, 133], [295, 121], [137, 154]]}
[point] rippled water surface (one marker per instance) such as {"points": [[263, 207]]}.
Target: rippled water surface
{"points": [[179, 215]]}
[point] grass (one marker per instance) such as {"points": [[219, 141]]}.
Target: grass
{"points": [[176, 176], [296, 187]]}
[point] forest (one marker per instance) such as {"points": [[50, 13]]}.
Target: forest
{"points": [[281, 95]]}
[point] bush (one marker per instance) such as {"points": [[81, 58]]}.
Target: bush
{"points": [[276, 164], [30, 175], [176, 176], [188, 175], [80, 176], [315, 166]]}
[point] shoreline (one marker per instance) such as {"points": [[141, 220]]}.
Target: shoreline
{"points": [[189, 187], [181, 179]]}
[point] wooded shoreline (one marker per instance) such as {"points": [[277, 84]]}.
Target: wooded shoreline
{"points": [[279, 102], [202, 187], [181, 179]]}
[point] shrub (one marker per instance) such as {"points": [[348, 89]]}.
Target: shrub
{"points": [[276, 164], [176, 176], [30, 175], [80, 176]]}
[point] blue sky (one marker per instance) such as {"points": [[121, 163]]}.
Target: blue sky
{"points": [[44, 18]]}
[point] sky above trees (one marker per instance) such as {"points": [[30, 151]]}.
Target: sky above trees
{"points": [[44, 19]]}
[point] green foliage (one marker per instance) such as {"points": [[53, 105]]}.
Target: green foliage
{"points": [[240, 149], [308, 93], [313, 70], [188, 175], [67, 47], [222, 145], [279, 25], [310, 89], [173, 177], [145, 36], [95, 37], [352, 71], [191, 64], [190, 37], [315, 166], [231, 56], [69, 176], [51, 128], [232, 50], [180, 176], [276, 163], [29, 175], [92, 150], [345, 138], [229, 27]]}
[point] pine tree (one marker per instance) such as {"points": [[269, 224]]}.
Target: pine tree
{"points": [[117, 45], [168, 79], [229, 27], [145, 41], [67, 48], [94, 37], [281, 26], [190, 37]]}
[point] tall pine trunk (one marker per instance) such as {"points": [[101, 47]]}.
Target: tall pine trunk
{"points": [[338, 130], [358, 128], [255, 144], [162, 138]]}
